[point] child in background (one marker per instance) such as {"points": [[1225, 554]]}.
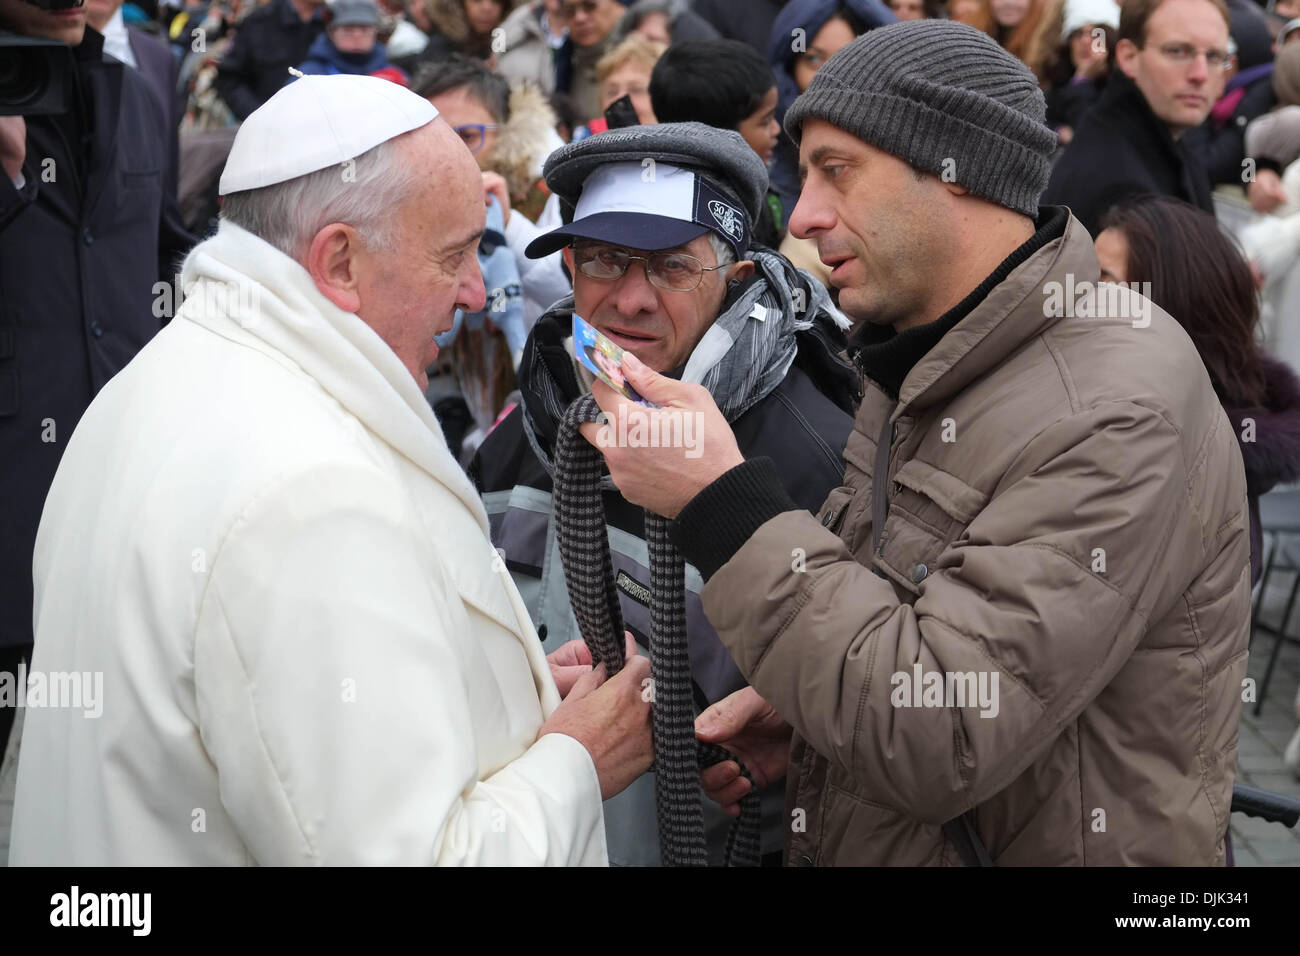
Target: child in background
{"points": [[350, 42], [727, 84]]}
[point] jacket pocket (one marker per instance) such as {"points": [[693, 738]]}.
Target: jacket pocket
{"points": [[929, 509], [832, 510]]}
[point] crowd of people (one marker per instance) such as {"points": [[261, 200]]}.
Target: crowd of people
{"points": [[961, 376]]}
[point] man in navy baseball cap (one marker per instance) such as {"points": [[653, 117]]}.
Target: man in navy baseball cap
{"points": [[657, 224]]}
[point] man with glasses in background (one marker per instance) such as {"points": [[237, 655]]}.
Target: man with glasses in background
{"points": [[1173, 61], [657, 239]]}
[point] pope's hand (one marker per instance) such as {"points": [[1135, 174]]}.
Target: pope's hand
{"points": [[611, 719], [745, 724], [572, 660], [568, 663], [700, 446]]}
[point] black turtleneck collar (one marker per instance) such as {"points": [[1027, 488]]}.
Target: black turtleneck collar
{"points": [[886, 356]]}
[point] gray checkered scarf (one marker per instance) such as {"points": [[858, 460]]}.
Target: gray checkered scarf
{"points": [[744, 355]]}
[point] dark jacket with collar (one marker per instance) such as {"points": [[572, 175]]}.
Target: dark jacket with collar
{"points": [[157, 64], [1121, 150], [81, 248], [802, 424], [269, 41]]}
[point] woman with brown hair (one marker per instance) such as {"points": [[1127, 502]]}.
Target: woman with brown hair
{"points": [[973, 13], [1020, 26], [1200, 278]]}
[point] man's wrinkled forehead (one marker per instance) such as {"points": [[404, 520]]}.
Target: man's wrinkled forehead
{"points": [[822, 141]]}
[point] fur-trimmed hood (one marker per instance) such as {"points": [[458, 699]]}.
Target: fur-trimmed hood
{"points": [[1272, 456], [528, 138], [448, 18]]}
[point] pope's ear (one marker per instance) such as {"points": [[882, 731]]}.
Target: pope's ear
{"points": [[333, 262]]}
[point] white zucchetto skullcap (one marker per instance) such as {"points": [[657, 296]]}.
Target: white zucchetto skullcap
{"points": [[316, 122]]}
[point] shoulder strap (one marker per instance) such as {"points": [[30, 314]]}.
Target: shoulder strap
{"points": [[962, 834]]}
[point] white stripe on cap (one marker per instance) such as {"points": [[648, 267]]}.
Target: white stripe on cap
{"points": [[651, 189]]}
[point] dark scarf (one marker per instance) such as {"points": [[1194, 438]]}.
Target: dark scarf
{"points": [[589, 577], [746, 353]]}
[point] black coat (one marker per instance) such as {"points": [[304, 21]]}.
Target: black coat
{"points": [[1272, 453], [749, 22], [1221, 149], [79, 258], [158, 65], [269, 41], [1068, 102], [1119, 151]]}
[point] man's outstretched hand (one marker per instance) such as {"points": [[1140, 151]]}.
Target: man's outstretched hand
{"points": [[745, 724], [700, 444]]}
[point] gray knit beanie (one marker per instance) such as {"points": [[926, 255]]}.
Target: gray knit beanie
{"points": [[946, 99]]}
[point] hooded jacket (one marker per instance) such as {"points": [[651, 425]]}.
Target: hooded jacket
{"points": [[1029, 601], [1121, 150], [802, 423], [528, 56], [292, 602], [804, 19], [327, 59]]}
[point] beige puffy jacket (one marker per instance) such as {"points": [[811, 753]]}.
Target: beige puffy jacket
{"points": [[1066, 523]]}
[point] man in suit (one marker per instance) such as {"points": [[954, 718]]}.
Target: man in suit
{"points": [[153, 57], [87, 227]]}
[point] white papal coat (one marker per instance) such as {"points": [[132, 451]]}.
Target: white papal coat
{"points": [[310, 652]]}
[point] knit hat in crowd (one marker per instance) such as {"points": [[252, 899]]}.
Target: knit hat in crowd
{"points": [[944, 98], [655, 187], [347, 13]]}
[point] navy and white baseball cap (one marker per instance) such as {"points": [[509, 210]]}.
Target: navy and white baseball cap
{"points": [[648, 207], [655, 187]]}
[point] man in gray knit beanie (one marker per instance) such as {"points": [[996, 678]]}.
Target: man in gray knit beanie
{"points": [[980, 648], [945, 99]]}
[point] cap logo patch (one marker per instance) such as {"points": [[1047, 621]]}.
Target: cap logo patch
{"points": [[727, 218]]}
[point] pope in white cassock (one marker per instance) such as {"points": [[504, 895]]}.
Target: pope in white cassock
{"points": [[310, 652]]}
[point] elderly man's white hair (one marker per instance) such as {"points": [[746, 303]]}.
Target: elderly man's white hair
{"points": [[363, 193], [720, 248]]}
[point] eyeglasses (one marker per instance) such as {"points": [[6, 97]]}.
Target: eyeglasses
{"points": [[1184, 54], [474, 135], [569, 10], [674, 271]]}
